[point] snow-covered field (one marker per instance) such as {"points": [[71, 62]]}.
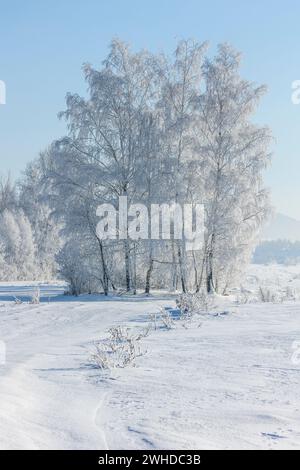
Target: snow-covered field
{"points": [[227, 381]]}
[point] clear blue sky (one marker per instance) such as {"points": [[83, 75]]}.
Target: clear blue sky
{"points": [[44, 43]]}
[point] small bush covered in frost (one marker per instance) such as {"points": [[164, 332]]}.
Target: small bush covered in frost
{"points": [[199, 303], [267, 294], [119, 350], [35, 298], [166, 318]]}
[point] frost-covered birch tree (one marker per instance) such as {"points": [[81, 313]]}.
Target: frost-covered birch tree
{"points": [[34, 202], [159, 129], [233, 153], [102, 157], [180, 87]]}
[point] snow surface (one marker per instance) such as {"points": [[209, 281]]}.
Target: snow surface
{"points": [[225, 382]]}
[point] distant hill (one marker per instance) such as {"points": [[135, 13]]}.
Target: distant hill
{"points": [[281, 227]]}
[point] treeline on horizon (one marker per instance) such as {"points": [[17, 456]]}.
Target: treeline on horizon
{"points": [[277, 251]]}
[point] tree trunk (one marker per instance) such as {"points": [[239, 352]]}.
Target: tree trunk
{"points": [[181, 267], [196, 282], [200, 282], [209, 267], [133, 274], [127, 265], [209, 277], [148, 275], [174, 268], [104, 269]]}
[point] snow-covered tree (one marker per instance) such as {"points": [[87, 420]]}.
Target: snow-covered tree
{"points": [[102, 157], [17, 248], [159, 130], [181, 84], [34, 201], [8, 194], [233, 153]]}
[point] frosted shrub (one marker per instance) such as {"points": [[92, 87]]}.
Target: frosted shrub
{"points": [[290, 294], [100, 358], [243, 296], [166, 319], [265, 294], [119, 350], [153, 320], [35, 298], [199, 303]]}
